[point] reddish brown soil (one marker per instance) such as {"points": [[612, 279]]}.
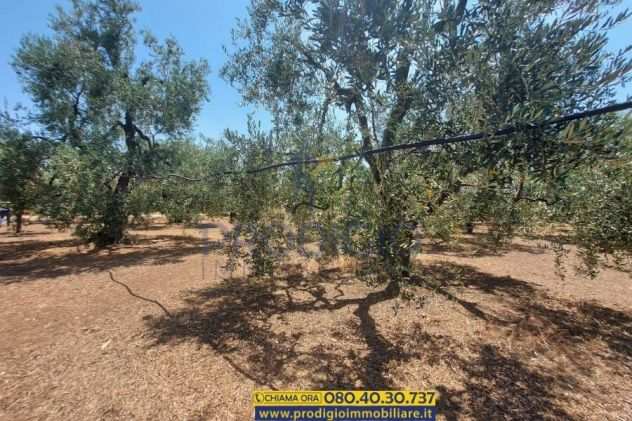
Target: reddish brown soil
{"points": [[137, 332]]}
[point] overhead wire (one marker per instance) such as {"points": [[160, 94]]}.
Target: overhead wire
{"points": [[419, 145]]}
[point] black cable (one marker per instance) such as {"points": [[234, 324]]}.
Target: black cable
{"points": [[424, 143]]}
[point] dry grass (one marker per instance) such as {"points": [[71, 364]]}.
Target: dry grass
{"points": [[138, 332]]}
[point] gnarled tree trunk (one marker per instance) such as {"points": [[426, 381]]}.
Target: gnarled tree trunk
{"points": [[115, 220], [18, 221], [395, 234]]}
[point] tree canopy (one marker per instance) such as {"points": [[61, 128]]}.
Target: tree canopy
{"points": [[398, 71], [21, 162], [92, 93]]}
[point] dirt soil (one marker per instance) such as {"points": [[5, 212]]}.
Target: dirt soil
{"points": [[156, 330]]}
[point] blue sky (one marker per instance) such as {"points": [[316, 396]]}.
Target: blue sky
{"points": [[201, 27]]}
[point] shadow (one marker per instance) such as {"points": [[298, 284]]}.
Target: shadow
{"points": [[206, 225], [526, 312], [381, 351], [480, 245], [155, 250], [140, 297], [327, 331], [155, 226], [500, 387], [19, 249], [12, 234], [564, 236], [236, 320]]}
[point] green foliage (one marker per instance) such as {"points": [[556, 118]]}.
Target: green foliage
{"points": [[183, 198], [78, 188], [339, 77], [21, 160], [252, 201], [92, 94], [598, 206], [602, 216], [399, 71]]}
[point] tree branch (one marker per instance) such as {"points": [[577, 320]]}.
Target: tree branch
{"points": [[403, 101], [443, 196], [307, 204], [143, 136]]}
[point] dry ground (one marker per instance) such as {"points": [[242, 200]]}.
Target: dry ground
{"points": [[147, 332]]}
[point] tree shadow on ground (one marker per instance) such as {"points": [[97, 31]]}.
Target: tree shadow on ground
{"points": [[23, 234], [310, 330], [235, 317], [23, 261], [526, 310], [157, 226], [20, 249], [481, 245], [498, 386]]}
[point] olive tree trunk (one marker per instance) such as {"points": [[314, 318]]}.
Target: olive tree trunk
{"points": [[18, 222], [115, 218]]}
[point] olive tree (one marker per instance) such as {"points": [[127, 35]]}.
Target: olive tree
{"points": [[22, 158], [93, 93], [393, 72]]}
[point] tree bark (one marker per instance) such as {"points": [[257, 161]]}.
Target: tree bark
{"points": [[395, 236], [394, 247], [115, 219], [18, 222], [469, 227]]}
